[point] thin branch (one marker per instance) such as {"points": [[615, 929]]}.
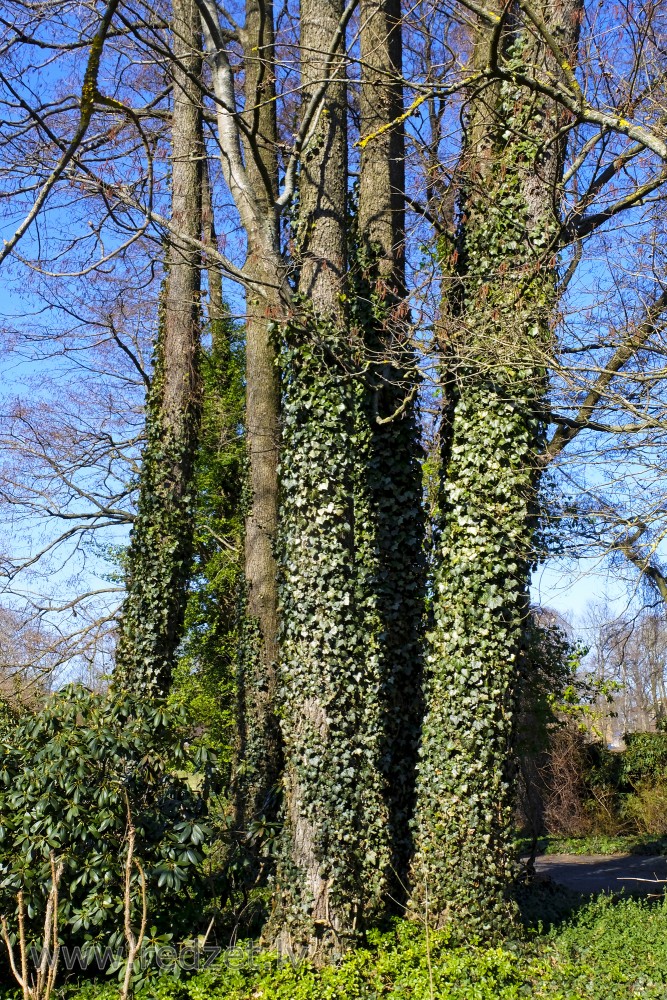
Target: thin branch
{"points": [[87, 107], [20, 979], [401, 409], [628, 547], [634, 341]]}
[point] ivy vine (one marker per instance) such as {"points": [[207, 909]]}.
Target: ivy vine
{"points": [[159, 557], [394, 478], [335, 854], [463, 868], [204, 682]]}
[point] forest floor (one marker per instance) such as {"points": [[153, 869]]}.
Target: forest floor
{"points": [[592, 929], [604, 948]]}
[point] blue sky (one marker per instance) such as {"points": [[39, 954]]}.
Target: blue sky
{"points": [[571, 588]]}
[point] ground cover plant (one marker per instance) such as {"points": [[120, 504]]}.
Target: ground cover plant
{"points": [[604, 950], [644, 844]]}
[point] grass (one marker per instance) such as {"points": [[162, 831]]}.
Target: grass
{"points": [[606, 950], [645, 844]]}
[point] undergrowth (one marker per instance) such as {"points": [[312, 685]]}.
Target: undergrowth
{"points": [[607, 950]]}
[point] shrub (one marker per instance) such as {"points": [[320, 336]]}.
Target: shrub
{"points": [[647, 807], [564, 808], [68, 776], [9, 715], [603, 808], [604, 767], [644, 758], [550, 747]]}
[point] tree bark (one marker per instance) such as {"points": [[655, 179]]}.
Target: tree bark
{"points": [[180, 394], [259, 757], [216, 302], [323, 183], [161, 543], [382, 175]]}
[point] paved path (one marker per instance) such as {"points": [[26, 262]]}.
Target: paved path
{"points": [[604, 873]]}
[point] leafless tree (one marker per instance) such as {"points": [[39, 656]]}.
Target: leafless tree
{"points": [[629, 653]]}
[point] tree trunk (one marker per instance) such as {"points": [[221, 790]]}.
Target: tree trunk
{"points": [[336, 855], [382, 176], [500, 339], [259, 756], [205, 680], [394, 469], [217, 313], [161, 543]]}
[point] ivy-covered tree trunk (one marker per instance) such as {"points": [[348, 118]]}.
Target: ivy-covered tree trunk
{"points": [[332, 872], [499, 340], [160, 549], [393, 463]]}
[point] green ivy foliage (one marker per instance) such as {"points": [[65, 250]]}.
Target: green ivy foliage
{"points": [[463, 868], [394, 478], [204, 681], [215, 645], [331, 677], [159, 557], [550, 687], [465, 771], [67, 776]]}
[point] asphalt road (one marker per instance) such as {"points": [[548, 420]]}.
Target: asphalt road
{"points": [[626, 873]]}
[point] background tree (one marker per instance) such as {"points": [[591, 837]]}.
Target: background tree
{"points": [[628, 652], [160, 550]]}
